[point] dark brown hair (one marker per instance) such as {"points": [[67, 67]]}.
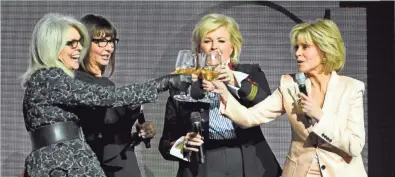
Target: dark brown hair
{"points": [[98, 26]]}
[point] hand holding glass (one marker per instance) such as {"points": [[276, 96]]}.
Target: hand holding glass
{"points": [[185, 64], [212, 62]]}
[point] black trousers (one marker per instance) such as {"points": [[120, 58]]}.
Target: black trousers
{"points": [[224, 162], [122, 165], [220, 162]]}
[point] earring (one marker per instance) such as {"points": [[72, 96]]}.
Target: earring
{"points": [[324, 60]]}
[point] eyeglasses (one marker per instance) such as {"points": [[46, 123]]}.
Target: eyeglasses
{"points": [[74, 43], [104, 42]]}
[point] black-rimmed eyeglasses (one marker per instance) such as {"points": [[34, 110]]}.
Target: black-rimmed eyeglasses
{"points": [[105, 42], [74, 43]]}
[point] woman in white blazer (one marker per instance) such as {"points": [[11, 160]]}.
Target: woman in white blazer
{"points": [[329, 141]]}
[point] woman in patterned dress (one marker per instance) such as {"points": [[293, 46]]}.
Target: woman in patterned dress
{"points": [[51, 94]]}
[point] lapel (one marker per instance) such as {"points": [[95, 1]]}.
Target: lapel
{"points": [[245, 68], [330, 91]]}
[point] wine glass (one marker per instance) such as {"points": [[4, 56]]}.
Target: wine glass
{"points": [[185, 64], [210, 64]]}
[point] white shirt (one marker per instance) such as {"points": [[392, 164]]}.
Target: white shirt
{"points": [[239, 76]]}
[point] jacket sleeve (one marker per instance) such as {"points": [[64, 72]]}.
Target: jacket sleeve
{"points": [[255, 87], [263, 112], [64, 90], [351, 137], [171, 132]]}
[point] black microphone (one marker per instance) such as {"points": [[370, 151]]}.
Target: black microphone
{"points": [[141, 120], [300, 79], [197, 128]]}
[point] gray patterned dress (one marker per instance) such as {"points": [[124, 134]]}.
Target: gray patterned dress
{"points": [[50, 97]]}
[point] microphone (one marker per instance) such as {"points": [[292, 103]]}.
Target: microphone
{"points": [[134, 136], [197, 128], [300, 79], [141, 120]]}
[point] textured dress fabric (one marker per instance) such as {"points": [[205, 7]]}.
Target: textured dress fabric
{"points": [[50, 97]]}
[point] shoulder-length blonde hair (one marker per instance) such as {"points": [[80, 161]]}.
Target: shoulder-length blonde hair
{"points": [[211, 22], [327, 37], [48, 40]]}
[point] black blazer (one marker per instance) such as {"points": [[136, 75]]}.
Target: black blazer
{"points": [[259, 160]]}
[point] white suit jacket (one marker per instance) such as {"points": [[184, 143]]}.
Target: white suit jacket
{"points": [[337, 139]]}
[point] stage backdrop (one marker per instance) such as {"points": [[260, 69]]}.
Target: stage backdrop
{"points": [[151, 34]]}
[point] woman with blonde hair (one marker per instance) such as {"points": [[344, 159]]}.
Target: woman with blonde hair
{"points": [[228, 149], [328, 132], [58, 44]]}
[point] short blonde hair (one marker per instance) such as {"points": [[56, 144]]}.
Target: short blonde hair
{"points": [[327, 37], [211, 22], [49, 39]]}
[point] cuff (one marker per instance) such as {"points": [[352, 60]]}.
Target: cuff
{"points": [[323, 128], [234, 90], [248, 90], [239, 77]]}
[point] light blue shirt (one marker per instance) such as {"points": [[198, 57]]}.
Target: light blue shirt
{"points": [[221, 127]]}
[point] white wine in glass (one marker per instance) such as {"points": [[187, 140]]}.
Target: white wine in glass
{"points": [[185, 64], [208, 65], [212, 61]]}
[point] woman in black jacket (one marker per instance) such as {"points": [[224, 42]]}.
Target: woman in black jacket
{"points": [[228, 149]]}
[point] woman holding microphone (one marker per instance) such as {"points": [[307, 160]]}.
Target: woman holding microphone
{"points": [[328, 132]]}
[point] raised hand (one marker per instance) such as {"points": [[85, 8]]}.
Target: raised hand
{"points": [[308, 107], [226, 75], [174, 81]]}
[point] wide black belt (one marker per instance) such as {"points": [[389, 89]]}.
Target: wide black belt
{"points": [[55, 133]]}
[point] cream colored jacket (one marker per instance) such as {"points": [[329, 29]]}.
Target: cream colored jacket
{"points": [[337, 139]]}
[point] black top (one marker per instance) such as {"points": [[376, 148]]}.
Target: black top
{"points": [[103, 125]]}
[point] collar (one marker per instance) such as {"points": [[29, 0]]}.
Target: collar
{"points": [[229, 64]]}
